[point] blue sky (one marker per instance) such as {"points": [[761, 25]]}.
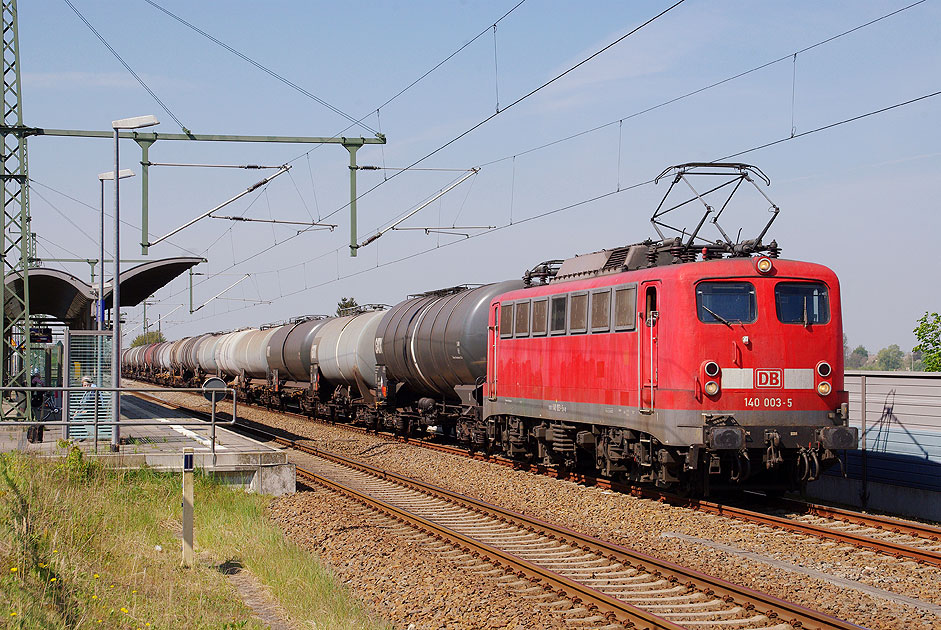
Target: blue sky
{"points": [[860, 198]]}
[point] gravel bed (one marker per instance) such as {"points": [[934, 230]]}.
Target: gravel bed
{"points": [[647, 525], [399, 577]]}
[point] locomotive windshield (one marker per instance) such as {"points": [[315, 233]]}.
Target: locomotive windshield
{"points": [[802, 303], [726, 302]]}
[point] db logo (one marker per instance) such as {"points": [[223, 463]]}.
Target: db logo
{"points": [[772, 379]]}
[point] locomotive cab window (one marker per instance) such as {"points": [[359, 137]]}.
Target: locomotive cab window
{"points": [[625, 308], [557, 315], [601, 311], [726, 302], [540, 317], [506, 320], [578, 315], [802, 303], [522, 319]]}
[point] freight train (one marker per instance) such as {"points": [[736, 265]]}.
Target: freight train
{"points": [[691, 369]]}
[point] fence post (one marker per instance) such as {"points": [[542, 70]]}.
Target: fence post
{"points": [[187, 507], [864, 495]]}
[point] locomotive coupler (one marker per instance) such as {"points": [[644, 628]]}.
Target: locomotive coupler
{"points": [[773, 456]]}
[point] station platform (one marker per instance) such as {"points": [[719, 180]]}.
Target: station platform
{"points": [[239, 460]]}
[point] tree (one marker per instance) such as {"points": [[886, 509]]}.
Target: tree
{"points": [[346, 303], [928, 333], [890, 359], [154, 336], [857, 358]]}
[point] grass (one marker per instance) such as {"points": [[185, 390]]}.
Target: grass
{"points": [[86, 547]]}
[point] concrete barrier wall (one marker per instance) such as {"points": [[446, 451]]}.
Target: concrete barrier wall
{"points": [[898, 467]]}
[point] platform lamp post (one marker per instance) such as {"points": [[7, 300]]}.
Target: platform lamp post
{"points": [[138, 122], [100, 313]]}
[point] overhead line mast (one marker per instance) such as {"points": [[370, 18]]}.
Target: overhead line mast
{"points": [[15, 236]]}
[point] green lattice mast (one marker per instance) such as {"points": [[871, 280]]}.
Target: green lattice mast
{"points": [[14, 220]]}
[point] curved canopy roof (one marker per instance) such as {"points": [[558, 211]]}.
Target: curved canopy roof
{"points": [[52, 292], [140, 282], [69, 299]]}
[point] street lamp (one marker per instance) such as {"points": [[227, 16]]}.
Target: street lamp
{"points": [[100, 316], [137, 122], [103, 177]]}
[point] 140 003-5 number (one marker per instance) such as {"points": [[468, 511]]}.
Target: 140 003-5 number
{"points": [[768, 402]]}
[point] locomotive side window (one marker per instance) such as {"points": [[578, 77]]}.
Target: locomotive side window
{"points": [[578, 316], [802, 303], [557, 315], [726, 302], [506, 320], [625, 305], [540, 316], [522, 319], [601, 311]]}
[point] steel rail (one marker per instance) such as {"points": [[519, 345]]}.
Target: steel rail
{"points": [[613, 609], [857, 540], [886, 523], [750, 599]]}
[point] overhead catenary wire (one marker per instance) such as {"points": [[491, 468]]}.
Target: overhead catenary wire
{"points": [[127, 67], [325, 226], [208, 213], [705, 88], [418, 80], [420, 207], [570, 206], [97, 210], [188, 165], [515, 102], [261, 67]]}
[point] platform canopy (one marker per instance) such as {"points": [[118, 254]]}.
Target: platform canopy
{"points": [[70, 300], [52, 292], [140, 282]]}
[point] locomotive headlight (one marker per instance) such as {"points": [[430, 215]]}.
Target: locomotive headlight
{"points": [[823, 388], [711, 368], [711, 388], [824, 369], [763, 265]]}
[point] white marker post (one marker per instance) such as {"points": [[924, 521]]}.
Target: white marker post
{"points": [[188, 507]]}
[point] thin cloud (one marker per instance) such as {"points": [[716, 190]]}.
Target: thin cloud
{"points": [[73, 80]]}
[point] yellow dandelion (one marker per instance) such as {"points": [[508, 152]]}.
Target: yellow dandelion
{"points": [[52, 579], [99, 621], [96, 576], [13, 614], [124, 610], [13, 569], [55, 551], [94, 597], [112, 586], [133, 591]]}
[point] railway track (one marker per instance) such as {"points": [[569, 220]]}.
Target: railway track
{"points": [[615, 586], [885, 535]]}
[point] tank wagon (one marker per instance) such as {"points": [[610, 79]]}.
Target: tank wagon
{"points": [[659, 362]]}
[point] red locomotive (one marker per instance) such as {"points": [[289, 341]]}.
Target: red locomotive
{"points": [[724, 369], [662, 369]]}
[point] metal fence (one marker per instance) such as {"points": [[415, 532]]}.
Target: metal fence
{"points": [[88, 356], [93, 425], [899, 418]]}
